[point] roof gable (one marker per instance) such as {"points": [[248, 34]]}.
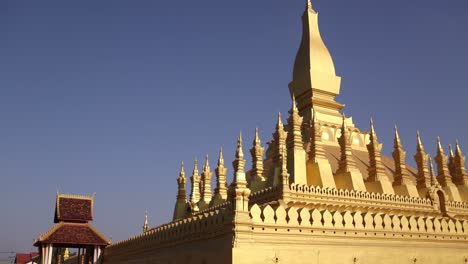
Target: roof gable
{"points": [[73, 208]]}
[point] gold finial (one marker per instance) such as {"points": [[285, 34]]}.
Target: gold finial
{"points": [[257, 138], [182, 170], [195, 166], [239, 152], [431, 170], [66, 254], [397, 135], [372, 129], [458, 151], [145, 225], [451, 151], [206, 167], [420, 147], [279, 124], [440, 149], [309, 4], [294, 106], [221, 158]]}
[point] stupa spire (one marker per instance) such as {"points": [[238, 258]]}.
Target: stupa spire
{"points": [[257, 172], [421, 158], [443, 174], [431, 172], [181, 201], [296, 155], [181, 181], [221, 186], [376, 168], [460, 176], [316, 150], [315, 82], [401, 174], [195, 181], [239, 165], [206, 180], [451, 161], [238, 191], [347, 161], [145, 224]]}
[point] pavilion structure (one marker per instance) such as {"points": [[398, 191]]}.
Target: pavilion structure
{"points": [[321, 192], [72, 230]]}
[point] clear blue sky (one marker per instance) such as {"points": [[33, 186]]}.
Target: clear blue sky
{"points": [[110, 96]]}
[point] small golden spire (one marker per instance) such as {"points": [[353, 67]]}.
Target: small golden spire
{"points": [[220, 193], [257, 158], [195, 181], [397, 136], [346, 161], [460, 176], [239, 165], [431, 171], [279, 124], [284, 170], [206, 167], [419, 147], [443, 174], [145, 225], [66, 254], [423, 177], [399, 155], [376, 168]]}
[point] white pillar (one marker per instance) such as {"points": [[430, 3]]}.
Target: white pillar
{"points": [[49, 254], [46, 253]]}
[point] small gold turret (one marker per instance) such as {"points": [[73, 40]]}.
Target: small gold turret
{"points": [[421, 158], [443, 174], [433, 182], [206, 181], [195, 192], [401, 173], [278, 146], [145, 225], [257, 173], [461, 178], [238, 191], [347, 162], [221, 186], [239, 165], [378, 180], [403, 185], [451, 161], [376, 168], [181, 202], [296, 154], [294, 137], [316, 150]]}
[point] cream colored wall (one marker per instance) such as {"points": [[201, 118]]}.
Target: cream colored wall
{"points": [[208, 251], [336, 251]]}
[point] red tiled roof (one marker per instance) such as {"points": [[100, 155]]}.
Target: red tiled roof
{"points": [[23, 258], [73, 233], [73, 208]]}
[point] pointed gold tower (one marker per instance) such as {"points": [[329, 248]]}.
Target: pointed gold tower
{"points": [[443, 175], [195, 191], [181, 202], [238, 191], [206, 195], [220, 194], [378, 180], [348, 175], [296, 161], [315, 83], [403, 185], [258, 179], [145, 224]]}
